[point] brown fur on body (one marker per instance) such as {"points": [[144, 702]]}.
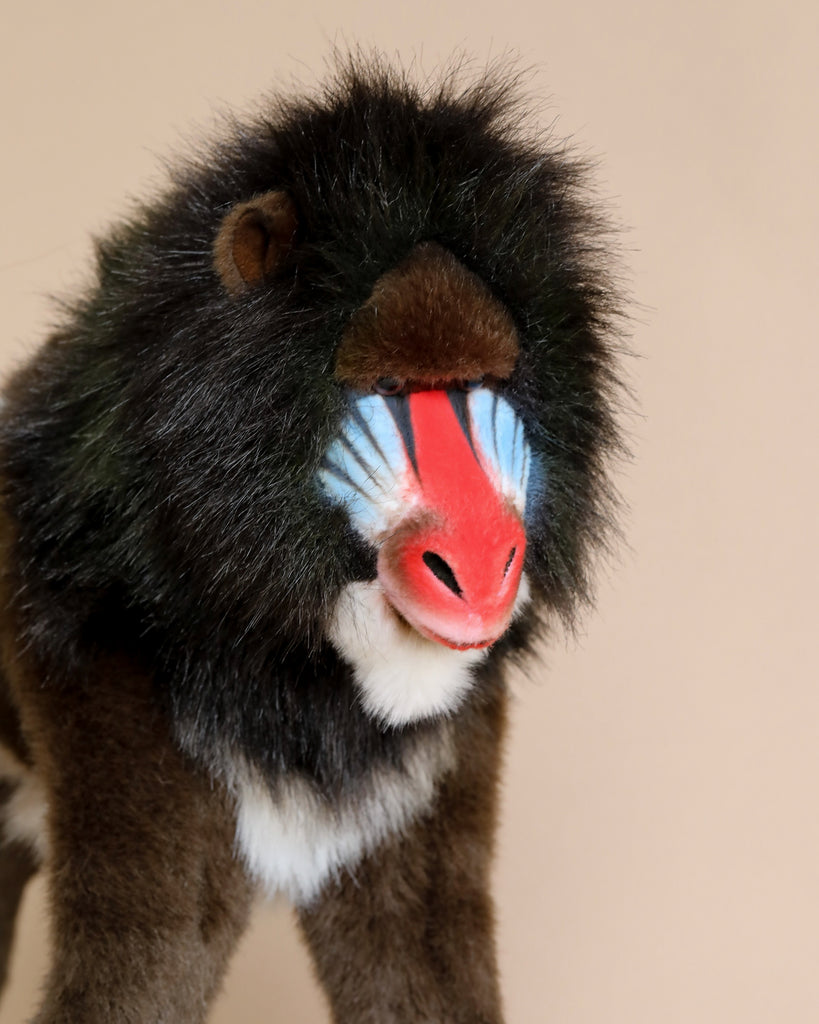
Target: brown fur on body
{"points": [[408, 936], [148, 898], [174, 580]]}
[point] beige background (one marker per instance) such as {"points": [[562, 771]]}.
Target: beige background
{"points": [[659, 851]]}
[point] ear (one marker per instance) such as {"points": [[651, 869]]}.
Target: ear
{"points": [[253, 240]]}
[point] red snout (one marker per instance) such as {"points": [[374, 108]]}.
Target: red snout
{"points": [[453, 569], [456, 587]]}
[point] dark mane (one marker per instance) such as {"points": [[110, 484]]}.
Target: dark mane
{"points": [[159, 456]]}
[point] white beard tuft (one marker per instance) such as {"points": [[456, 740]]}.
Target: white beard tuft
{"points": [[401, 676]]}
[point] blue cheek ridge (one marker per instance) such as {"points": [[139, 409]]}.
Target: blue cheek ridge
{"points": [[501, 438], [364, 466]]}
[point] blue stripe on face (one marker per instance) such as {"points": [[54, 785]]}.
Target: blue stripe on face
{"points": [[365, 465], [398, 406], [499, 435], [373, 430]]}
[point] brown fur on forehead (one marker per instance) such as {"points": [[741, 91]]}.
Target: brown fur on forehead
{"points": [[427, 320]]}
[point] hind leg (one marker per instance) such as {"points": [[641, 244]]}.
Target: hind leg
{"points": [[18, 863]]}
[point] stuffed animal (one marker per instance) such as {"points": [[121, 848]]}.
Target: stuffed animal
{"points": [[304, 470]]}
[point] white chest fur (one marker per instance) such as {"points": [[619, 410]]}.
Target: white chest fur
{"points": [[293, 841]]}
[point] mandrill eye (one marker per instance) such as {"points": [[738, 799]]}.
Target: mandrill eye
{"points": [[388, 386], [472, 385]]}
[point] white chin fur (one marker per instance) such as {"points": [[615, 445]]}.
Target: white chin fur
{"points": [[402, 677]]}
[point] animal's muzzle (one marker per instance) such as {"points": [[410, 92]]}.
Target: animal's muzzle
{"points": [[437, 481]]}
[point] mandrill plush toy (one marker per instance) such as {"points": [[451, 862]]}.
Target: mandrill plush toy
{"points": [[295, 481]]}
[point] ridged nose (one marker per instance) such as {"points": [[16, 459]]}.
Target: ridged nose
{"points": [[452, 567]]}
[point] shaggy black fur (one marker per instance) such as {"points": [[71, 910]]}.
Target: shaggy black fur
{"points": [[159, 453]]}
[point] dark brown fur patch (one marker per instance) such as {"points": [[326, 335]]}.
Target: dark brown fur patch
{"points": [[428, 320], [408, 935], [254, 240], [148, 899], [10, 735]]}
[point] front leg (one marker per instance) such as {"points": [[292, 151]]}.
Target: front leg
{"points": [[147, 898], [406, 937]]}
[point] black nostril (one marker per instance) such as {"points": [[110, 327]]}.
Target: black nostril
{"points": [[439, 568], [509, 560]]}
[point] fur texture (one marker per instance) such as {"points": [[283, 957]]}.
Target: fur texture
{"points": [[401, 676], [148, 898], [174, 578]]}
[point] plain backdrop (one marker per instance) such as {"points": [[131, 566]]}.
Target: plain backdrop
{"points": [[659, 845]]}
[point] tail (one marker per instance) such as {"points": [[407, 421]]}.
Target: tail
{"points": [[19, 858]]}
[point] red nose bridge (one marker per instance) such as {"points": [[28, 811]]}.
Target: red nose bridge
{"points": [[453, 569]]}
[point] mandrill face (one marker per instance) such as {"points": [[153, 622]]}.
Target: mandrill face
{"points": [[434, 470], [436, 480], [466, 417]]}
